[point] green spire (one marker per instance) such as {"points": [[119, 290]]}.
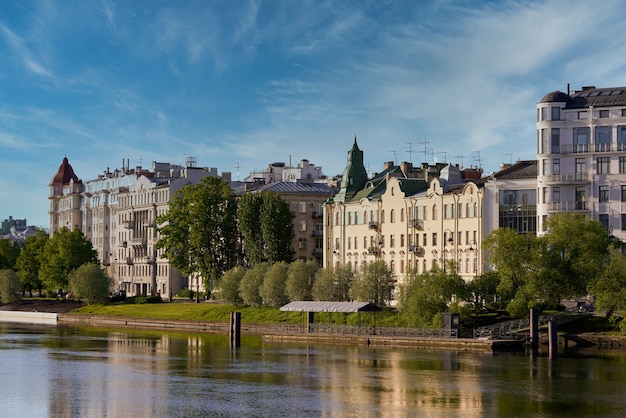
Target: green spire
{"points": [[354, 176]]}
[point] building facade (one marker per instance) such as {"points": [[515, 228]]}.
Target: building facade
{"points": [[581, 156], [410, 223], [117, 212]]}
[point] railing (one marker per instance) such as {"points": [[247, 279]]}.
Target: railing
{"points": [[518, 328], [373, 225], [416, 223], [567, 206], [569, 178], [365, 330], [588, 148]]}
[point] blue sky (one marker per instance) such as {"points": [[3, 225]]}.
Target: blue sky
{"points": [[246, 83]]}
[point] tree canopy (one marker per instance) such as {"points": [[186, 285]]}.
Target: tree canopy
{"points": [[373, 283], [29, 261], [63, 253], [90, 284], [266, 225], [9, 252], [199, 232]]}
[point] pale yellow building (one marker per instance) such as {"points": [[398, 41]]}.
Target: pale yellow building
{"points": [[406, 220]]}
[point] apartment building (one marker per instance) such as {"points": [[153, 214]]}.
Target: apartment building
{"points": [[411, 220], [117, 212], [581, 156]]}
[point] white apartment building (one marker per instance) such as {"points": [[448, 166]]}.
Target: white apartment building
{"points": [[117, 212], [581, 156]]}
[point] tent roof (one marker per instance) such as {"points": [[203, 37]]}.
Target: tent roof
{"points": [[303, 306]]}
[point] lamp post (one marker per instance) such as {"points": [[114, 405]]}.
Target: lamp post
{"points": [[446, 241], [473, 249]]}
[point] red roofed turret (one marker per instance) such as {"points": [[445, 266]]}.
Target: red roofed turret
{"points": [[64, 174]]}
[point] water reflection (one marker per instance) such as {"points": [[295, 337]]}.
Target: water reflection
{"points": [[91, 372]]}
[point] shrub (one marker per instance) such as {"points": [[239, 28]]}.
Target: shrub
{"points": [[10, 286], [90, 284]]}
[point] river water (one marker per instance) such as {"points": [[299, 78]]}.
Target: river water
{"points": [[88, 372]]}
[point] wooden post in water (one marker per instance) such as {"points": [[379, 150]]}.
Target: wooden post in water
{"points": [[534, 331], [235, 329], [553, 338]]}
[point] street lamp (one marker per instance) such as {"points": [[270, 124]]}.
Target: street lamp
{"points": [[473, 248], [446, 241]]}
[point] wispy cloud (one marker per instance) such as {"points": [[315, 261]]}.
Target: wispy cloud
{"points": [[23, 54]]}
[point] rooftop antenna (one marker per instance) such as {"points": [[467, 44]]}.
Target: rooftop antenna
{"points": [[410, 151], [237, 167], [461, 157], [140, 160], [510, 158], [445, 156], [395, 156], [425, 142], [478, 159]]}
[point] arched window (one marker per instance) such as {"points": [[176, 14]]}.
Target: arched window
{"points": [[434, 212], [337, 218], [382, 216], [402, 215], [475, 209], [392, 216], [365, 217]]}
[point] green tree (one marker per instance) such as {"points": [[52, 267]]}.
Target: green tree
{"points": [[250, 286], [229, 285], [300, 279], [63, 253], [29, 261], [199, 232], [373, 283], [424, 297], [609, 287], [10, 289], [333, 285], [483, 290], [272, 290], [9, 251], [266, 225], [571, 255], [90, 284]]}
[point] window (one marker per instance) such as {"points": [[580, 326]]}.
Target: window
{"points": [[434, 212], [621, 138], [623, 112], [556, 140], [401, 240], [623, 192], [544, 113], [544, 141], [581, 169], [603, 138], [603, 164], [622, 165], [603, 113], [302, 207], [434, 238], [392, 241], [582, 114], [556, 113], [302, 243], [544, 167], [556, 194], [302, 225], [556, 166], [392, 216], [581, 201], [356, 243], [581, 139], [604, 220], [603, 193], [425, 237]]}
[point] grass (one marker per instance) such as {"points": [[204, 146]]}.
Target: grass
{"points": [[218, 312]]}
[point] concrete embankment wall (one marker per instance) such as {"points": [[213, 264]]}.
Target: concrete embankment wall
{"points": [[272, 333], [38, 318]]}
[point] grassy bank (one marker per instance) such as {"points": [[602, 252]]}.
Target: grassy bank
{"points": [[218, 312]]}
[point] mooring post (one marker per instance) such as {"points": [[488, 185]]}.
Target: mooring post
{"points": [[553, 338], [235, 329], [534, 331]]}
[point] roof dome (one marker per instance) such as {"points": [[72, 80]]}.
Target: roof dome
{"points": [[64, 174], [555, 96]]}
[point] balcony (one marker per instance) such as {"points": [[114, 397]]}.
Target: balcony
{"points": [[570, 178], [373, 250], [576, 206], [416, 249], [318, 233], [417, 224], [373, 225]]}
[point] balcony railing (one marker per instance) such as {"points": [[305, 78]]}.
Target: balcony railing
{"points": [[589, 148], [373, 225], [569, 178], [568, 206], [416, 249], [373, 250], [416, 223]]}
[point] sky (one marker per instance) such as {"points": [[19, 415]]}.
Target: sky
{"points": [[241, 84]]}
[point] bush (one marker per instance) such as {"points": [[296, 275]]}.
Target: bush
{"points": [[140, 300], [10, 287], [90, 284]]}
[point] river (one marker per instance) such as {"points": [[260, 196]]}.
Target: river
{"points": [[89, 372]]}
